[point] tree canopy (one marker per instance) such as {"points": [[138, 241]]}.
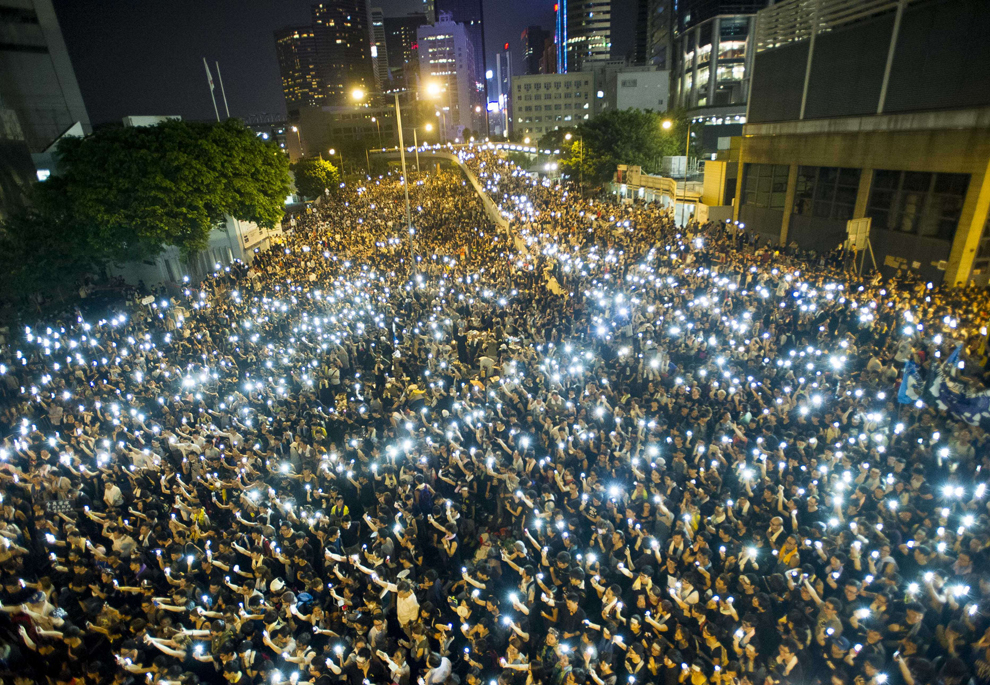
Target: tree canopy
{"points": [[313, 175], [616, 137], [135, 191], [128, 193]]}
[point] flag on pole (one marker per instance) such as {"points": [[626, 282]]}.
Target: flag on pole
{"points": [[209, 76]]}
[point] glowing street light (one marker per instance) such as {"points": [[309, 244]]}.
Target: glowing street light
{"points": [[666, 124]]}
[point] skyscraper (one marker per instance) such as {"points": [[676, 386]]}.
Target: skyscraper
{"points": [[712, 55], [298, 65], [379, 49], [37, 81], [533, 39], [583, 33], [659, 33], [446, 57], [343, 46], [469, 13], [641, 34], [400, 36]]}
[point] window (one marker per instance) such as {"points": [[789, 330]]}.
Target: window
{"points": [[629, 83], [765, 185], [730, 72], [826, 192], [917, 202]]}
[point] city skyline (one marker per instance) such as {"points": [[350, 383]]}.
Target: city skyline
{"points": [[156, 64]]}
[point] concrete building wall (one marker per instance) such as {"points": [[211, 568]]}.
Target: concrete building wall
{"points": [[37, 81], [235, 240], [949, 143]]}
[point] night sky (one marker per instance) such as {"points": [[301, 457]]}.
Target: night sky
{"points": [[145, 57]]}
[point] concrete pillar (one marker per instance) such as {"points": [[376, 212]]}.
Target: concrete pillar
{"points": [[788, 203], [739, 180], [694, 69], [863, 193], [972, 220], [713, 60]]}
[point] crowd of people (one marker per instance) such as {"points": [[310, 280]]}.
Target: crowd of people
{"points": [[576, 446]]}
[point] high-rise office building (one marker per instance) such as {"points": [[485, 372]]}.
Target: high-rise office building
{"points": [[298, 65], [641, 29], [659, 33], [37, 82], [533, 41], [343, 46], [583, 33], [469, 13], [712, 58], [548, 62], [500, 93], [446, 57], [403, 60], [851, 116], [379, 48]]}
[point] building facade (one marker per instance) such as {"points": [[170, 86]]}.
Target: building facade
{"points": [[322, 128], [854, 119], [659, 33], [532, 41], [403, 55], [583, 33], [446, 58], [635, 88], [545, 102], [298, 66], [471, 14], [379, 49], [37, 82], [711, 62], [342, 29]]}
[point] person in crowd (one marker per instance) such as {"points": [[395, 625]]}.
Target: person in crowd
{"points": [[580, 445]]}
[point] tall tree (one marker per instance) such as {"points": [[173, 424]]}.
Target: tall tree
{"points": [[139, 190], [633, 137], [314, 175]]}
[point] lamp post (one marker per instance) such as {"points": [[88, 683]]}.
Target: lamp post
{"points": [[427, 128], [568, 136], [333, 152], [359, 95], [295, 129], [379, 126], [667, 124]]}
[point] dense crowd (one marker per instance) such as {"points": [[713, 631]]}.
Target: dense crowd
{"points": [[581, 446]]}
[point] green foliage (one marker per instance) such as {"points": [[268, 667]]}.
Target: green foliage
{"points": [[138, 190], [521, 159], [41, 256], [616, 137], [554, 140], [314, 175]]}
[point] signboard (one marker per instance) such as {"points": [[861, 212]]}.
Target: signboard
{"points": [[858, 232], [148, 300], [58, 506]]}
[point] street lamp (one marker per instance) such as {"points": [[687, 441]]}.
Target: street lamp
{"points": [[378, 125], [295, 129], [433, 88], [334, 152], [667, 124], [428, 128]]}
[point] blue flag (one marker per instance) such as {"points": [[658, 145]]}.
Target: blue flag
{"points": [[911, 384]]}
